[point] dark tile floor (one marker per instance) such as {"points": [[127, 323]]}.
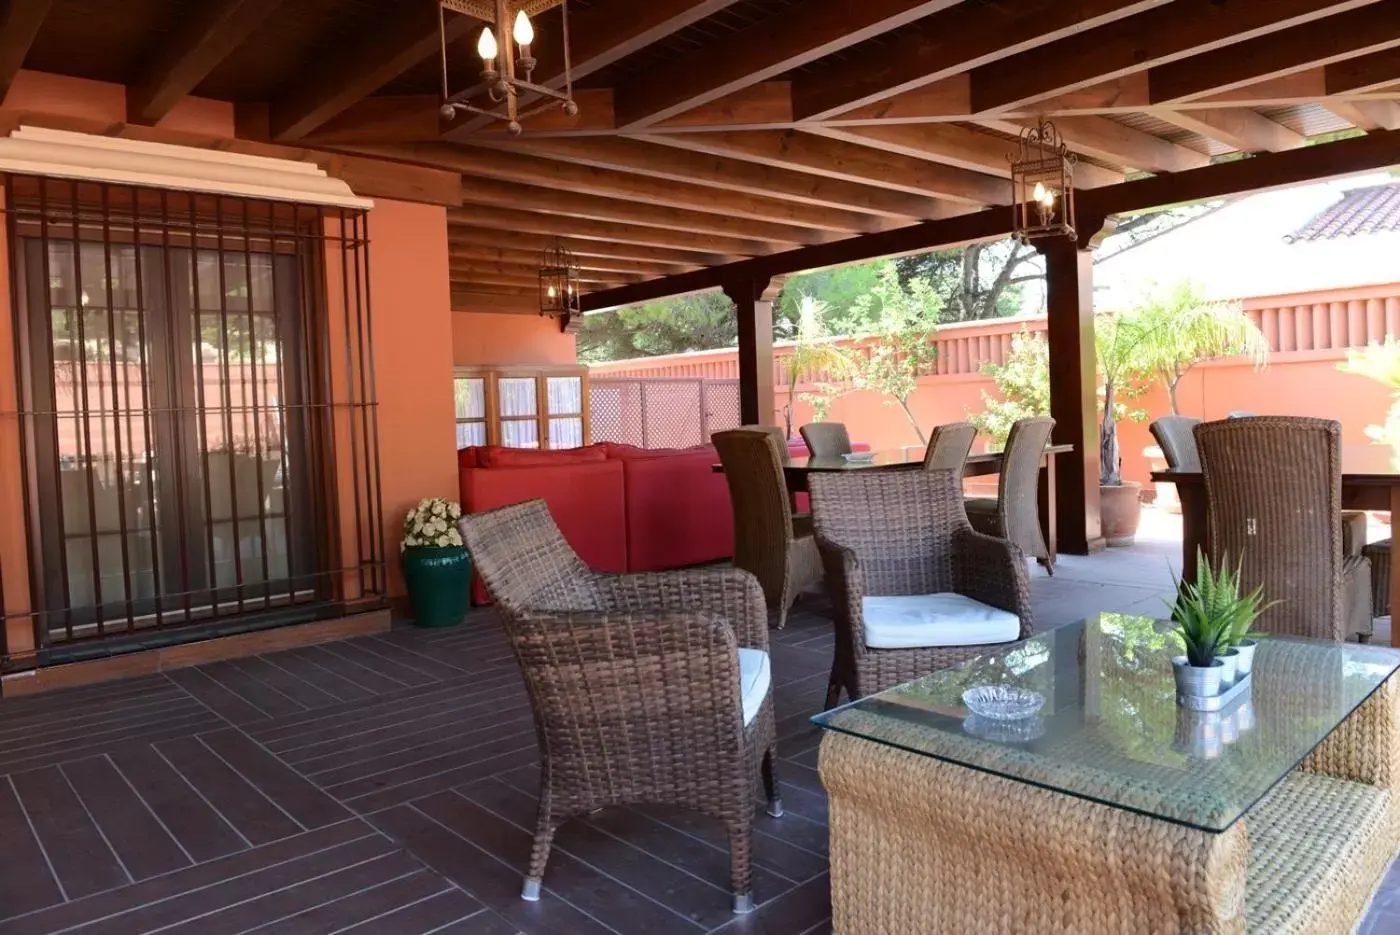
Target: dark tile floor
{"points": [[385, 785]]}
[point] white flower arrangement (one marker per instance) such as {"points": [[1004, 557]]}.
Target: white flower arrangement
{"points": [[432, 524]]}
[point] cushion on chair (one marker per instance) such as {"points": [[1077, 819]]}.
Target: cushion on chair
{"points": [[981, 504], [907, 622], [755, 677]]}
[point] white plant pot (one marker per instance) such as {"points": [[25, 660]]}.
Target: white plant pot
{"points": [[1197, 681], [1229, 661], [1245, 664]]}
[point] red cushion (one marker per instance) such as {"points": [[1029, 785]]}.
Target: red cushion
{"points": [[678, 511], [497, 457], [584, 499], [467, 457]]}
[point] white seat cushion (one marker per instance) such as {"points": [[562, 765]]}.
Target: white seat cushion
{"points": [[911, 621], [755, 677]]}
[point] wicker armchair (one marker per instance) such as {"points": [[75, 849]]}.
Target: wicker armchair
{"points": [[1175, 435], [1015, 513], [1273, 491], [646, 688], [826, 439], [769, 541], [893, 534], [947, 449]]}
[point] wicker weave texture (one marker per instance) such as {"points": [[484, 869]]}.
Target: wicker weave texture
{"points": [[1015, 514], [765, 542], [1175, 435], [1274, 493], [826, 439], [633, 680], [948, 447], [885, 533]]}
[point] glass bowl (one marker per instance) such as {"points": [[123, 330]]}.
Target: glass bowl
{"points": [[1022, 731], [859, 456], [1002, 702]]}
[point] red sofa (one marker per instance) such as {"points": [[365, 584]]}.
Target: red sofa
{"points": [[621, 508]]}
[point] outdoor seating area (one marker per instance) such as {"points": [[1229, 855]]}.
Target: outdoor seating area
{"points": [[731, 467]]}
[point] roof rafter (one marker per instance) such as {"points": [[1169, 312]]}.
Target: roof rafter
{"points": [[575, 228], [461, 234], [773, 46], [1161, 35], [1104, 139], [1237, 127], [197, 47], [481, 253]]}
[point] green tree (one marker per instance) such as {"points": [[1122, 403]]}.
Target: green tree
{"points": [[1182, 328], [897, 325], [812, 352], [1122, 343], [978, 281], [1380, 362], [1023, 385], [698, 322], [838, 288]]}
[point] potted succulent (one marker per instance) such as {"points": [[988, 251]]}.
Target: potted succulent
{"points": [[1214, 620], [436, 567]]}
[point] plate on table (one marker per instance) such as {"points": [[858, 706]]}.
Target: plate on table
{"points": [[859, 457]]}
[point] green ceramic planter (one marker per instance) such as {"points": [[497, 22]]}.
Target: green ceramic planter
{"points": [[439, 581]]}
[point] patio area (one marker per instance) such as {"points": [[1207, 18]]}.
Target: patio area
{"points": [[386, 784]]}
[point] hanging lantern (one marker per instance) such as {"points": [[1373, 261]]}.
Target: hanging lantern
{"points": [[559, 282], [1042, 185]]}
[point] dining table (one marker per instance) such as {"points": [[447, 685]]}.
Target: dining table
{"points": [[797, 470], [1370, 481]]}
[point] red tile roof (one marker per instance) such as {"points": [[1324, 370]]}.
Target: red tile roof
{"points": [[1371, 210]]}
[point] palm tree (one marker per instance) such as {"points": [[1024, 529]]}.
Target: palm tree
{"points": [[1182, 328], [812, 352]]}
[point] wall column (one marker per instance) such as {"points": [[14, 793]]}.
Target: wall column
{"points": [[1069, 286], [753, 310]]}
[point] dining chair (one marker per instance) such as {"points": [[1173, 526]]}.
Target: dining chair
{"points": [[1273, 490], [914, 588], [1176, 437], [826, 439], [771, 542], [779, 437], [648, 688], [948, 447], [1014, 513]]}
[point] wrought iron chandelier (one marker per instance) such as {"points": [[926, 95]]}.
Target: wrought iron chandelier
{"points": [[1042, 185], [508, 29], [559, 282]]}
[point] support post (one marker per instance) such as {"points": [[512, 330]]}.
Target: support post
{"points": [[753, 310], [1069, 286]]}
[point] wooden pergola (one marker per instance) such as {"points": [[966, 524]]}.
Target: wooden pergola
{"points": [[728, 143]]}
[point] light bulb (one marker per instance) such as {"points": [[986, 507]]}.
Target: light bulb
{"points": [[523, 32], [1039, 193], [551, 292], [486, 46], [1049, 199]]}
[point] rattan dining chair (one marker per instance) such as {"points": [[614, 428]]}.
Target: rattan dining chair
{"points": [[948, 447], [1015, 513], [646, 688], [769, 541], [1176, 437], [826, 439], [913, 587], [1273, 491], [779, 438]]}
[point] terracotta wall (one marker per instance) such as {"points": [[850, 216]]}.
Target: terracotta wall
{"points": [[1308, 334], [499, 338]]}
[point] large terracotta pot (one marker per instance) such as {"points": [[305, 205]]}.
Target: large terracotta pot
{"points": [[1120, 509]]}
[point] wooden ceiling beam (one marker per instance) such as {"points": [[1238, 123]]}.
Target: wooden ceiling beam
{"points": [[1238, 128], [325, 90], [717, 172], [600, 34], [1368, 115], [195, 49], [508, 163], [480, 253], [466, 300], [1352, 33], [841, 160], [1379, 70], [1113, 142], [1271, 170], [480, 269], [946, 43], [479, 277], [496, 194], [462, 235], [1161, 35], [954, 146], [18, 28], [553, 225], [767, 49]]}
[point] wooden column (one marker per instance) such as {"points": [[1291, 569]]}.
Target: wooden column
{"points": [[753, 310], [1069, 284]]}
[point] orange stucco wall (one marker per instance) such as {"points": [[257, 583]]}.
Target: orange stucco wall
{"points": [[493, 339], [413, 360]]}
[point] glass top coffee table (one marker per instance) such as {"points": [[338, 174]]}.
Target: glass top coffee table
{"points": [[1114, 777]]}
